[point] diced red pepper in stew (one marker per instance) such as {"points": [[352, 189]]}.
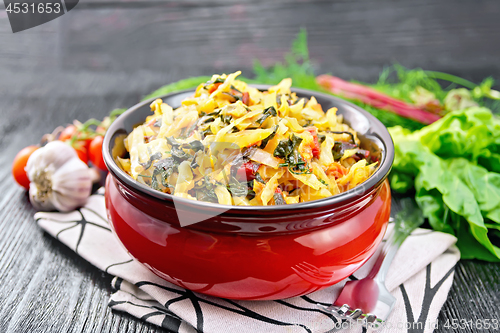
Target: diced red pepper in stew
{"points": [[246, 171], [214, 87], [362, 154], [315, 149], [245, 99]]}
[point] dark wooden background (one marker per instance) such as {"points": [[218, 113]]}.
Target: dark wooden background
{"points": [[107, 54]]}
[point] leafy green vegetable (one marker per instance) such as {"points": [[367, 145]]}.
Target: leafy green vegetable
{"points": [[238, 189], [206, 191], [353, 140], [458, 99], [389, 119], [279, 199], [188, 83], [456, 193], [473, 134], [399, 82], [147, 165], [296, 66], [340, 147], [270, 111], [407, 219], [283, 149], [258, 178], [289, 151], [270, 137]]}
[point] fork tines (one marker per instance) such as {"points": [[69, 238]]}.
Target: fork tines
{"points": [[355, 316]]}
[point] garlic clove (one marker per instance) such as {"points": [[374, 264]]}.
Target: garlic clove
{"points": [[58, 178], [71, 185], [39, 199], [52, 156]]}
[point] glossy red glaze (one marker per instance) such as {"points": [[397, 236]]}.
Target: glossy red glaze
{"points": [[258, 255]]}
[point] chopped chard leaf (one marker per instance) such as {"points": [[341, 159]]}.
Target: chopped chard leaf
{"points": [[217, 80], [147, 165], [345, 132], [206, 132], [226, 119], [283, 149], [339, 148], [238, 189], [236, 98], [206, 191], [172, 141], [234, 88], [258, 178], [251, 194], [289, 151], [194, 164], [278, 197], [180, 154], [270, 137], [158, 122], [321, 138], [165, 163], [196, 145], [206, 119], [215, 113], [270, 111]]}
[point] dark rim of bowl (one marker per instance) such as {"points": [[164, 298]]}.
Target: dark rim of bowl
{"points": [[376, 127]]}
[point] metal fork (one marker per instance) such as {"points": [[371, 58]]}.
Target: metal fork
{"points": [[367, 301]]}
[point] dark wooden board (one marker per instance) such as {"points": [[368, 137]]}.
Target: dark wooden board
{"points": [[104, 55]]}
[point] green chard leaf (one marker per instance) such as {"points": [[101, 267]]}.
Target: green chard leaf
{"points": [[270, 111], [483, 184], [456, 194]]}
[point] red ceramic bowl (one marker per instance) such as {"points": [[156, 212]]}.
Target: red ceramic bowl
{"points": [[251, 253]]}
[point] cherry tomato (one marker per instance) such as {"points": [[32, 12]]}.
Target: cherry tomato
{"points": [[67, 133], [95, 153], [70, 131], [82, 152], [19, 164]]}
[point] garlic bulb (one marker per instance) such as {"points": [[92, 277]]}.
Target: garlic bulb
{"points": [[58, 178]]}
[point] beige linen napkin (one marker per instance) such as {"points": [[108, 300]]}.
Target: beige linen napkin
{"points": [[420, 278]]}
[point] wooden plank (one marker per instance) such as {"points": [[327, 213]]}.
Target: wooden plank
{"points": [[351, 39]]}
